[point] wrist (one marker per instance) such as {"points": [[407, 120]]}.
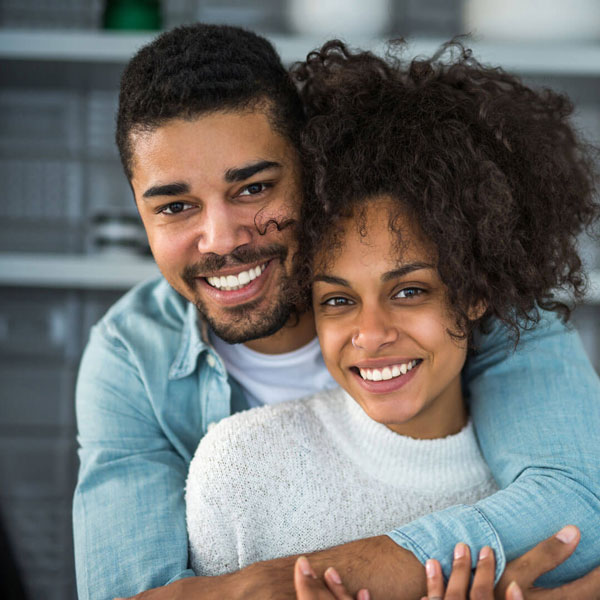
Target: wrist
{"points": [[378, 564]]}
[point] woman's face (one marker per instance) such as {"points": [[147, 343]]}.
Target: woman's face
{"points": [[382, 318]]}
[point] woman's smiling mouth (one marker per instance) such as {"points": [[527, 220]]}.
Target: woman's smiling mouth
{"points": [[388, 372], [388, 378]]}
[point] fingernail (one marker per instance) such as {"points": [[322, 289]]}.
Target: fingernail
{"points": [[459, 551], [305, 567], [430, 569], [363, 595], [484, 552], [514, 591], [567, 534], [332, 574]]}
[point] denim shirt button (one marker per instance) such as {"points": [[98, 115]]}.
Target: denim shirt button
{"points": [[210, 360]]}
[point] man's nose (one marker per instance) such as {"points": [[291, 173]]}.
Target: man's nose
{"points": [[375, 330], [223, 229]]}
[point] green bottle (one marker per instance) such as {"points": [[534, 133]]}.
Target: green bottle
{"points": [[132, 15]]}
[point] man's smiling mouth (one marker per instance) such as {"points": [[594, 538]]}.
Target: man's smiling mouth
{"points": [[229, 283]]}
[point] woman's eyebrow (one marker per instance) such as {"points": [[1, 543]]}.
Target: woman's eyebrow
{"points": [[330, 279], [405, 270]]}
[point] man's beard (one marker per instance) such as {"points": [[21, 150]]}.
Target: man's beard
{"points": [[246, 322]]}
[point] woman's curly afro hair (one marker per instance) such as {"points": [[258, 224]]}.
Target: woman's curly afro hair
{"points": [[491, 170]]}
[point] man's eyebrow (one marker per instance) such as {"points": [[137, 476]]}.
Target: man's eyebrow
{"points": [[405, 270], [168, 189], [243, 173]]}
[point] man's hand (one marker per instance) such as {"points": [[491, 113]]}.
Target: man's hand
{"points": [[543, 558], [517, 581]]}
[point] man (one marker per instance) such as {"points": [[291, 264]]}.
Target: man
{"points": [[208, 130]]}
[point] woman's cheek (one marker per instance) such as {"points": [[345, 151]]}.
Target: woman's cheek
{"points": [[331, 339]]}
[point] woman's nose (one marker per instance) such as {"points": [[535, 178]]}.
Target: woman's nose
{"points": [[374, 331]]}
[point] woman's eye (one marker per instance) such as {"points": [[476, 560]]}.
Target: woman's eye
{"points": [[337, 301], [411, 292], [253, 189], [174, 208]]}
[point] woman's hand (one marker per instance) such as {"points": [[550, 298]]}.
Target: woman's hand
{"points": [[309, 587], [460, 578]]}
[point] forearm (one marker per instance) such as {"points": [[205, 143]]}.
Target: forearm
{"points": [[537, 415], [376, 563]]}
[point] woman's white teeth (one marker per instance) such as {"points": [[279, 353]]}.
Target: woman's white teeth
{"points": [[387, 372], [235, 282]]}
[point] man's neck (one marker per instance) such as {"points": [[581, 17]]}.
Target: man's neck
{"points": [[297, 332]]}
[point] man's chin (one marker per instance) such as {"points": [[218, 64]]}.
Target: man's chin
{"points": [[241, 324]]}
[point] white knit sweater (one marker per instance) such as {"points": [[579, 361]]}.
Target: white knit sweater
{"points": [[313, 473]]}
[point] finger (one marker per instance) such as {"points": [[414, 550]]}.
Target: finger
{"points": [[514, 592], [335, 585], [306, 584], [544, 557], [584, 588], [483, 582], [458, 584], [435, 580]]}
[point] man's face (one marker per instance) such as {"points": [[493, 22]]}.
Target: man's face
{"points": [[216, 195]]}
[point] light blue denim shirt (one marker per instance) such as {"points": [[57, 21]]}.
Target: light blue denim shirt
{"points": [[150, 384]]}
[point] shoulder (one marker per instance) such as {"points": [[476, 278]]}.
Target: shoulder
{"points": [[262, 435], [153, 301]]}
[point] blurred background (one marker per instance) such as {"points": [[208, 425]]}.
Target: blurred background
{"points": [[70, 241]]}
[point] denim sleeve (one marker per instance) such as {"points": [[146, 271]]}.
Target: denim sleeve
{"points": [[128, 509], [537, 416]]}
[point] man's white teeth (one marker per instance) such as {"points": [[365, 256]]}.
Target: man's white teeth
{"points": [[386, 373], [235, 282]]}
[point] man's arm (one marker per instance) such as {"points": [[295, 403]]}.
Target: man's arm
{"points": [[128, 512], [537, 417], [537, 414]]}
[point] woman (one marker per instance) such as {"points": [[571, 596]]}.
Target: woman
{"points": [[440, 195]]}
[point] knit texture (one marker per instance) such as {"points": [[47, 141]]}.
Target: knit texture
{"points": [[313, 473]]}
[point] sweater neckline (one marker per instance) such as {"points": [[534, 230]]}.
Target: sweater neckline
{"points": [[452, 463]]}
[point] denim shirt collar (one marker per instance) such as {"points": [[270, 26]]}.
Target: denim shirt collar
{"points": [[194, 341]]}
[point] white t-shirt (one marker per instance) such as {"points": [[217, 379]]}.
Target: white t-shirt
{"points": [[274, 378]]}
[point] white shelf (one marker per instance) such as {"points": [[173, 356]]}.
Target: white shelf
{"points": [[101, 272], [111, 272], [100, 47]]}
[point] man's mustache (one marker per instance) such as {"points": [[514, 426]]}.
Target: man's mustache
{"points": [[210, 263]]}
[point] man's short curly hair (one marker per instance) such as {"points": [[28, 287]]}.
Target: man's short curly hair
{"points": [[200, 68], [492, 171]]}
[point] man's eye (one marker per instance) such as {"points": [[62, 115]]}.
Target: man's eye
{"points": [[337, 301], [174, 208], [253, 189], [411, 292]]}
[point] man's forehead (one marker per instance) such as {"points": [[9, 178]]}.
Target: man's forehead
{"points": [[230, 146]]}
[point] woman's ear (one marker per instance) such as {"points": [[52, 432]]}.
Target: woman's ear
{"points": [[477, 310]]}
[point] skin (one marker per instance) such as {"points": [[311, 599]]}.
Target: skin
{"points": [[375, 309], [204, 211]]}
